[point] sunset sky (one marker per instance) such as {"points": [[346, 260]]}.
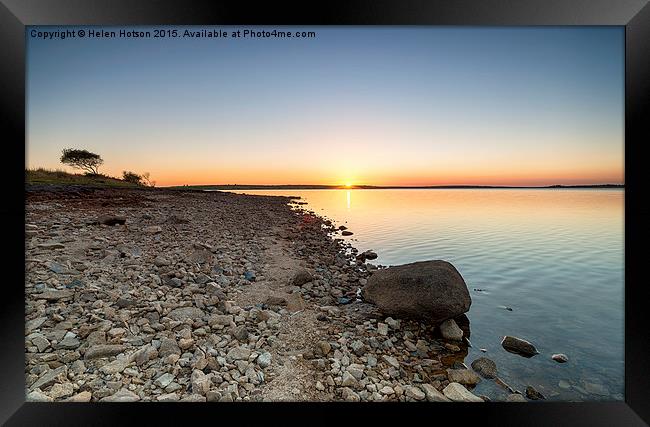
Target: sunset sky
{"points": [[358, 105]]}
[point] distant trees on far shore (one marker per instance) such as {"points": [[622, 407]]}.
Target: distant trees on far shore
{"points": [[134, 178]]}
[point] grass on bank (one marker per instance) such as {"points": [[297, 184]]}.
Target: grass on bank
{"points": [[61, 177]]}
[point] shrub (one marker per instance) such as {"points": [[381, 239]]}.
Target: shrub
{"points": [[132, 177]]}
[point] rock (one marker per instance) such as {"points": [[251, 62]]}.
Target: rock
{"points": [[427, 290], [387, 390], [54, 295], [213, 396], [123, 395], [61, 390], [518, 346], [103, 350], [349, 395], [200, 256], [164, 380], [533, 394], [41, 343], [168, 397], [356, 370], [295, 302], [560, 358], [183, 313], [250, 276], [382, 329], [485, 367], [597, 389], [348, 380], [415, 393], [515, 397], [264, 360], [346, 233], [68, 343], [323, 348], [194, 398], [84, 396], [221, 319], [34, 324], [238, 353], [394, 324], [391, 361], [358, 347], [200, 382], [52, 245], [342, 227], [240, 333], [160, 261], [144, 354], [301, 277], [185, 343], [167, 347], [370, 255], [274, 300], [58, 374], [458, 393], [125, 302], [564, 384], [451, 331], [116, 366], [112, 220], [463, 376], [38, 396], [432, 394], [152, 229]]}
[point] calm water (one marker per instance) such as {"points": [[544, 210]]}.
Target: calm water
{"points": [[554, 256]]}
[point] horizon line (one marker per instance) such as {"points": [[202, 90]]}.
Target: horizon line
{"points": [[370, 187]]}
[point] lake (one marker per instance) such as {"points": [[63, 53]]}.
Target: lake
{"points": [[555, 257]]}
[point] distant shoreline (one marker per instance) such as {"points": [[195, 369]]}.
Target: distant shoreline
{"points": [[376, 187]]}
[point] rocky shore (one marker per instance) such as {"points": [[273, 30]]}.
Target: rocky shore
{"points": [[165, 295]]}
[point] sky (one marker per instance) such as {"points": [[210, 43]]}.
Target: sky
{"points": [[353, 105]]}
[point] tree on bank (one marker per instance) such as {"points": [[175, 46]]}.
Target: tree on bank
{"points": [[82, 159]]}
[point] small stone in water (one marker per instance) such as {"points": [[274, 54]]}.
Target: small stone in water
{"points": [[560, 358]]}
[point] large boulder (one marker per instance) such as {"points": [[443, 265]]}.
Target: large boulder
{"points": [[427, 290]]}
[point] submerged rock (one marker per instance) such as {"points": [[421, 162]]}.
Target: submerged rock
{"points": [[463, 376], [518, 346], [533, 394], [485, 367], [516, 397], [426, 290]]}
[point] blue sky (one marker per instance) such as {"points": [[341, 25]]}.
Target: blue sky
{"points": [[369, 105]]}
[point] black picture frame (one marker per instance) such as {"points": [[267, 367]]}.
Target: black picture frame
{"points": [[15, 15]]}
